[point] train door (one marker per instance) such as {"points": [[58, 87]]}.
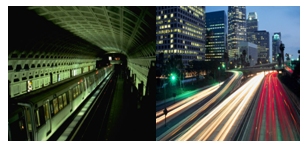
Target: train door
{"points": [[17, 127], [47, 112], [29, 121]]}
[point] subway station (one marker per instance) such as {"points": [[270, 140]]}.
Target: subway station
{"points": [[81, 73]]}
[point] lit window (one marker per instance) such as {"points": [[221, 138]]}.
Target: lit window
{"points": [[165, 16], [172, 15], [172, 45], [172, 40]]}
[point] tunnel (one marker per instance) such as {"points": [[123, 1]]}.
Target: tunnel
{"points": [[47, 40], [49, 44]]}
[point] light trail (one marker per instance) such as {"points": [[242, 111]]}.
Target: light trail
{"points": [[179, 126], [220, 122], [275, 118]]}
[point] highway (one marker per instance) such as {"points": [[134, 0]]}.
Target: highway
{"points": [[220, 123], [276, 116], [186, 112]]}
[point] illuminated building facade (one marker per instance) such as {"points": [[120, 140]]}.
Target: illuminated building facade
{"points": [[276, 41], [216, 28], [181, 30], [251, 25], [260, 38], [236, 28]]}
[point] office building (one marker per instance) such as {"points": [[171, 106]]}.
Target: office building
{"points": [[262, 39], [251, 25], [236, 28], [216, 28], [181, 30]]}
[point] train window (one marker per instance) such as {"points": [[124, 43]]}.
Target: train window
{"points": [[64, 99], [42, 115], [79, 90], [46, 111], [28, 118], [51, 108], [75, 92], [37, 118], [60, 102], [55, 106], [21, 125], [81, 87], [70, 96]]}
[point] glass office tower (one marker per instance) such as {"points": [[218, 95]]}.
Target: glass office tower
{"points": [[181, 30], [216, 29], [251, 25], [260, 38]]}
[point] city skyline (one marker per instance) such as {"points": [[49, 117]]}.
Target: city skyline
{"points": [[289, 28]]}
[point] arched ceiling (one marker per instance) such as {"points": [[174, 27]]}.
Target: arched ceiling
{"points": [[89, 30], [112, 28]]}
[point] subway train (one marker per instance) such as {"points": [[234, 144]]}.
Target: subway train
{"points": [[37, 117]]}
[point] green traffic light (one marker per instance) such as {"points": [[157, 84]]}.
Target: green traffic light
{"points": [[173, 77]]}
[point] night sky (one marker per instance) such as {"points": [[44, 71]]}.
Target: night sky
{"points": [[284, 19]]}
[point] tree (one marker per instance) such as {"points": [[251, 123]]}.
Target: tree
{"points": [[287, 57], [296, 71], [196, 67], [244, 57], [241, 60], [258, 61], [226, 58], [282, 48], [236, 59], [250, 59]]}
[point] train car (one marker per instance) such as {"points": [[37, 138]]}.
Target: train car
{"points": [[37, 117]]}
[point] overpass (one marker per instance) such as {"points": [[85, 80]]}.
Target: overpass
{"points": [[46, 40], [260, 68]]}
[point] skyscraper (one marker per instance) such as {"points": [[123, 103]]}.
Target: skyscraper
{"points": [[216, 29], [251, 25], [276, 41], [236, 28], [260, 38], [181, 30]]}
